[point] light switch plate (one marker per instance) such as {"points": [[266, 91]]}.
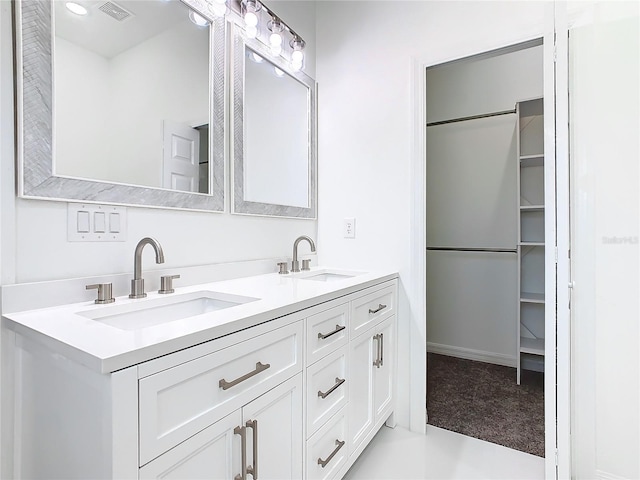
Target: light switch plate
{"points": [[106, 223]]}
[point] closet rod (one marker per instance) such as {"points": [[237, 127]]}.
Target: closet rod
{"points": [[469, 249], [472, 117]]}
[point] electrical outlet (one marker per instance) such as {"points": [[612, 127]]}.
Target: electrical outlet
{"points": [[349, 228]]}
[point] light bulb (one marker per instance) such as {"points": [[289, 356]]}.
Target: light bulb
{"points": [[275, 40], [279, 72], [198, 19], [251, 32], [297, 56], [250, 19], [76, 8], [256, 58], [296, 66]]}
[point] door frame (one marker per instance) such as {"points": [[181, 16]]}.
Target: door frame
{"points": [[557, 346]]}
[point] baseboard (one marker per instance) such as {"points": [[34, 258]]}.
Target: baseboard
{"points": [[471, 354]]}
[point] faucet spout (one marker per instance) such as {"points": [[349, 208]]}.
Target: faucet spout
{"points": [[137, 284], [295, 265]]}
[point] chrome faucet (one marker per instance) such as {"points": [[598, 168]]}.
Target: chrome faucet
{"points": [[137, 284], [295, 266]]}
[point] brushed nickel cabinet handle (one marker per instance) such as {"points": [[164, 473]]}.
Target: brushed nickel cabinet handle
{"points": [[381, 349], [323, 463], [380, 307], [253, 470], [339, 381], [378, 361], [242, 431], [259, 368], [339, 328]]}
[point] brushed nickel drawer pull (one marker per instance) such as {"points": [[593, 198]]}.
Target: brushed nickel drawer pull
{"points": [[380, 307], [381, 349], [259, 368], [339, 381], [242, 431], [253, 471], [323, 463], [339, 328]]}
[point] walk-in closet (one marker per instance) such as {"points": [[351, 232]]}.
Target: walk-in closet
{"points": [[485, 246]]}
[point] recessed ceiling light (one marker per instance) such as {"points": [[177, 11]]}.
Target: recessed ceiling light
{"points": [[76, 8]]}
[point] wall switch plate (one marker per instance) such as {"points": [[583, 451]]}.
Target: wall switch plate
{"points": [[349, 228], [87, 222]]}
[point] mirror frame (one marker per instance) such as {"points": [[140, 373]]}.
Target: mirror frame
{"points": [[34, 85], [239, 204]]}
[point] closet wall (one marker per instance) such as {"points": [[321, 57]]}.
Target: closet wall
{"points": [[472, 297]]}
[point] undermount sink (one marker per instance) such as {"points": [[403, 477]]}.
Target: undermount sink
{"points": [[328, 277], [149, 313]]}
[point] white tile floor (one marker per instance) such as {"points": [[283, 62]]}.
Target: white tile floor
{"points": [[397, 454]]}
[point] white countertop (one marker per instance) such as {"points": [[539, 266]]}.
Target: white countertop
{"points": [[105, 348]]}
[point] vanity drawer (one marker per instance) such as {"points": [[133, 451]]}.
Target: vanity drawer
{"points": [[326, 332], [369, 309], [327, 388], [327, 450], [177, 403]]}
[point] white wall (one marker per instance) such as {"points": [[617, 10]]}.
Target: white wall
{"points": [[604, 86], [368, 55], [34, 233]]}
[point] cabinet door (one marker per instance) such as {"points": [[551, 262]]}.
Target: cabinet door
{"points": [[274, 432], [383, 369], [212, 454], [361, 415]]}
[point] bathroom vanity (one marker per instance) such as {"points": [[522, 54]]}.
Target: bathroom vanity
{"points": [[271, 376]]}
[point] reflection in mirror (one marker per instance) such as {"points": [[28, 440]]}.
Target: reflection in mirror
{"points": [[117, 111], [122, 105], [274, 137]]}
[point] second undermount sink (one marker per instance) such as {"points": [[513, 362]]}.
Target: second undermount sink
{"points": [[328, 277], [149, 313]]}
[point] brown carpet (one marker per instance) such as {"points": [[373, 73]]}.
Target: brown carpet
{"points": [[482, 400]]}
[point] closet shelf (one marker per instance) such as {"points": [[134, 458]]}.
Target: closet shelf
{"points": [[528, 297], [534, 346], [532, 244], [531, 160]]}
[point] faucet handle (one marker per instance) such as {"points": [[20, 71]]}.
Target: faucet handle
{"points": [[305, 264], [283, 268], [104, 292], [166, 283]]}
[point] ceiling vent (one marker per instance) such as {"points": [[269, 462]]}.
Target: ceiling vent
{"points": [[115, 11]]}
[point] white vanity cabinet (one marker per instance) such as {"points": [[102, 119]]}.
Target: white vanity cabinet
{"points": [[297, 396]]}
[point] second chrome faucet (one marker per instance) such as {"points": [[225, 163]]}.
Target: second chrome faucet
{"points": [[137, 284]]}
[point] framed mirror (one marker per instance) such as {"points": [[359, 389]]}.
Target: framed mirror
{"points": [[121, 101], [274, 134]]}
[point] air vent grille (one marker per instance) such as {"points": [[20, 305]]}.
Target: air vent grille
{"points": [[115, 11]]}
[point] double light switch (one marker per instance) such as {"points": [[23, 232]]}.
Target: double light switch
{"points": [[96, 223]]}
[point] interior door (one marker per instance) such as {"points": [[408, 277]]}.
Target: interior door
{"points": [[181, 154]]}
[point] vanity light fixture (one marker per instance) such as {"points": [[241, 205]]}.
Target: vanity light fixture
{"points": [[275, 39], [76, 8], [198, 19]]}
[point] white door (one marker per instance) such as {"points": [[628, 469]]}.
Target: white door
{"points": [[212, 454], [274, 432], [181, 153]]}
